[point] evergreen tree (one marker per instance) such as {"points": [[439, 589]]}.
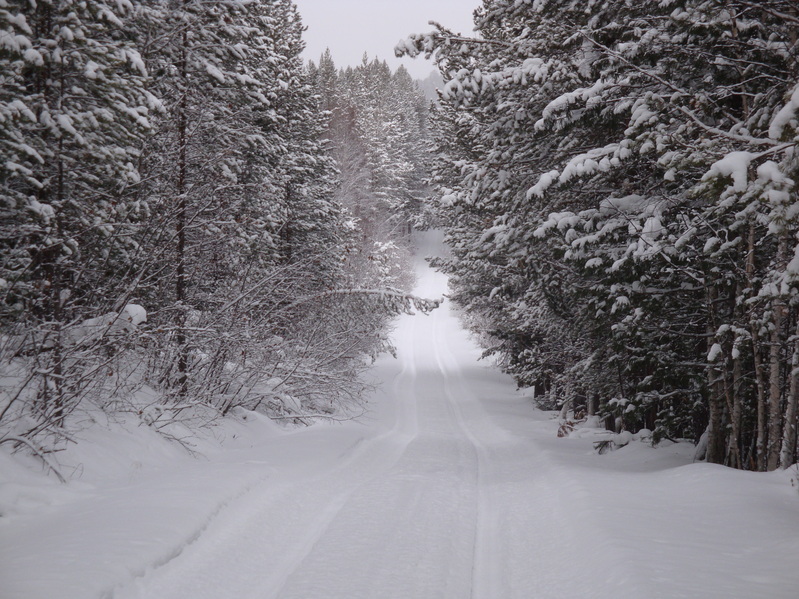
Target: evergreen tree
{"points": [[617, 183], [177, 155], [72, 114]]}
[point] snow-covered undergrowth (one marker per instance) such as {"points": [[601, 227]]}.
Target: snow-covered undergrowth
{"points": [[132, 500]]}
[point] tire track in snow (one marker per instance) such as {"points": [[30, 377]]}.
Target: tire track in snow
{"points": [[498, 554], [485, 567], [257, 551], [405, 429], [178, 550], [408, 411], [409, 531]]}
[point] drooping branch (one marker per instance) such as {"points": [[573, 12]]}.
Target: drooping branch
{"points": [[407, 300], [36, 452]]}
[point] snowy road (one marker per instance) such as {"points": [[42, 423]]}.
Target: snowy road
{"points": [[413, 511], [453, 487], [432, 501]]}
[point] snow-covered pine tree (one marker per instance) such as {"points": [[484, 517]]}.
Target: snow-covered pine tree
{"points": [[378, 138], [247, 229], [176, 154], [72, 114], [213, 181], [640, 200], [495, 88]]}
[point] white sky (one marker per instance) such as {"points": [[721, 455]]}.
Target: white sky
{"points": [[351, 27]]}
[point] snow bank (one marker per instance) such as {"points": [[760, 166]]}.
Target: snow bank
{"points": [[133, 500]]}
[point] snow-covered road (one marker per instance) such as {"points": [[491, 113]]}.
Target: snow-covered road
{"points": [[452, 487], [415, 509]]}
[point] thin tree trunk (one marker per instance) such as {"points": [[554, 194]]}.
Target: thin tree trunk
{"points": [[56, 279], [760, 379], [715, 429], [733, 398], [775, 369], [180, 284], [788, 452], [593, 404], [733, 385], [760, 384], [775, 391]]}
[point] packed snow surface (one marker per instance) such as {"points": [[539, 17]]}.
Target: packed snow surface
{"points": [[453, 486]]}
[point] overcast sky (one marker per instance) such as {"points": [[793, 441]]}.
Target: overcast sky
{"points": [[351, 27]]}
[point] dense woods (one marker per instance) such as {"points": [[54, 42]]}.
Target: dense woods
{"points": [[192, 220], [618, 183], [273, 326]]}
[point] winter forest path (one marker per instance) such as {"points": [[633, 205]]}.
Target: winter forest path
{"points": [[456, 487], [453, 486], [445, 497]]}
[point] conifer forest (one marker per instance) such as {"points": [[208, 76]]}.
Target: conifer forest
{"points": [[617, 182], [286, 326], [188, 206]]}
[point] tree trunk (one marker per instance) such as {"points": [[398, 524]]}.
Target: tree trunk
{"points": [[733, 382], [760, 383], [735, 410], [180, 283], [593, 404], [775, 391], [775, 369], [788, 452], [760, 379], [715, 428]]}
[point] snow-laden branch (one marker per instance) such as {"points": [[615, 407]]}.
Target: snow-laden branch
{"points": [[406, 300], [748, 139], [427, 43], [762, 6], [259, 285]]}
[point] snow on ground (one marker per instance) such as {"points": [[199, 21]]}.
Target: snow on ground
{"points": [[453, 486]]}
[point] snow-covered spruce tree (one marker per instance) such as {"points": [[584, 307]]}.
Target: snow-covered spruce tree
{"points": [[392, 117], [201, 187], [496, 88], [205, 169], [72, 115], [601, 178], [378, 137], [214, 185], [689, 126]]}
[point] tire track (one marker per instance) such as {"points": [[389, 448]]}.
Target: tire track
{"points": [[262, 536], [405, 429], [485, 569]]}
